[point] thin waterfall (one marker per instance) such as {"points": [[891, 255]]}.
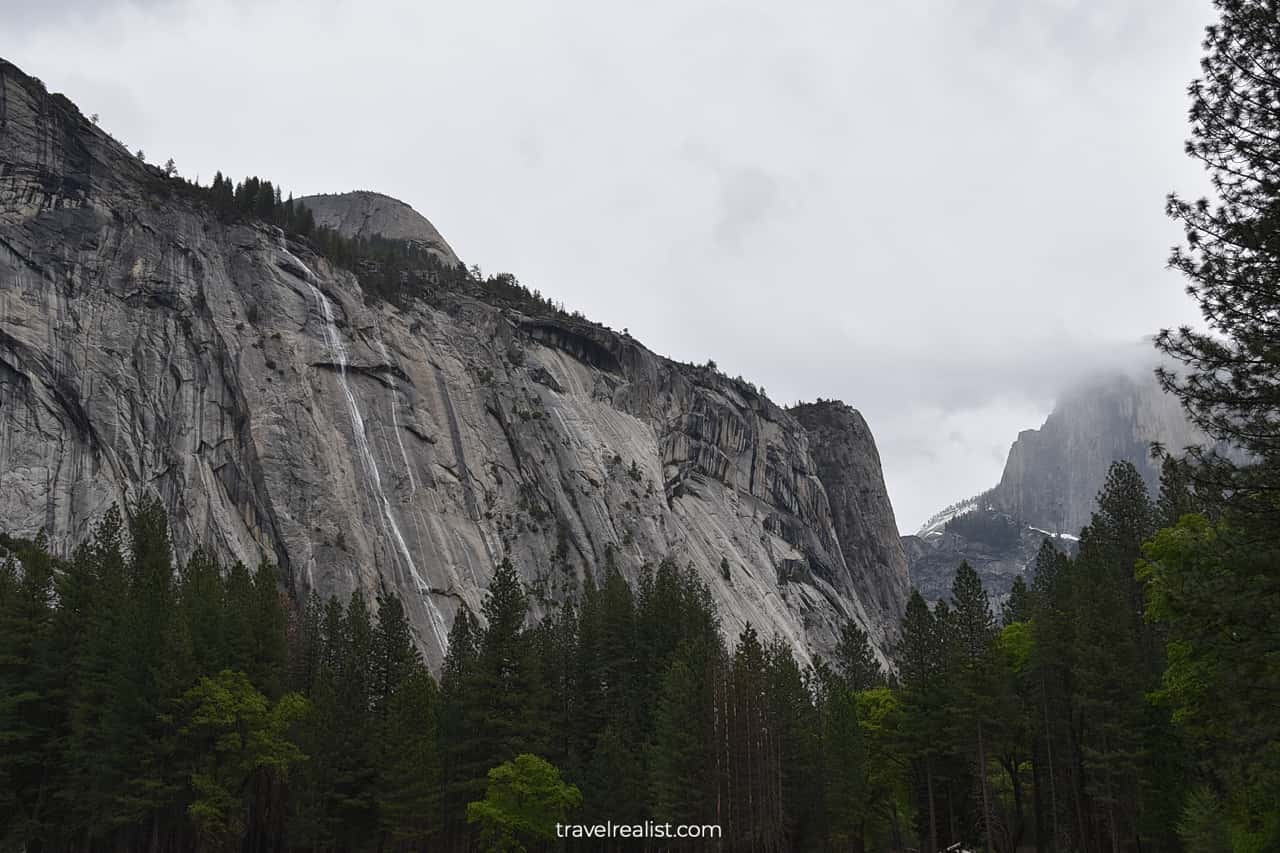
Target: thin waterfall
{"points": [[338, 352], [395, 424]]}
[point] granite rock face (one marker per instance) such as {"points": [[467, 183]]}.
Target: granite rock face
{"points": [[1051, 481], [148, 348], [366, 214], [848, 465], [1053, 474]]}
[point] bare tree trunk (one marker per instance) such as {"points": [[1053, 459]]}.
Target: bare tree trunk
{"points": [[1037, 794], [1053, 782], [951, 813], [1019, 814], [933, 817], [982, 781]]}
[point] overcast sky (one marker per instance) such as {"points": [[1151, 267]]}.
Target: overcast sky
{"points": [[939, 211]]}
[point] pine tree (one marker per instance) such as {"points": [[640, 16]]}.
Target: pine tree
{"points": [[92, 630], [1232, 255], [353, 754], [920, 669], [410, 785], [1116, 657], [268, 629], [395, 656], [855, 660], [457, 685], [973, 633], [1017, 608], [755, 803], [844, 756], [1052, 634], [27, 686], [139, 719], [202, 600], [684, 782], [789, 691], [494, 703], [239, 618]]}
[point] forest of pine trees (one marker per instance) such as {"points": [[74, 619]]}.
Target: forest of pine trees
{"points": [[153, 707], [148, 708]]}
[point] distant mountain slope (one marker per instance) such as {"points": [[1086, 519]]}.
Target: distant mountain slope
{"points": [[364, 214], [999, 553], [1053, 473], [1050, 481]]}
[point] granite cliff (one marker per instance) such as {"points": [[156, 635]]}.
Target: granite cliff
{"points": [[1050, 481], [1053, 473], [367, 214], [281, 412]]}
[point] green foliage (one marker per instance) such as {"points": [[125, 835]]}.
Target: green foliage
{"points": [[1203, 827], [683, 784], [143, 708], [230, 733], [1015, 643], [524, 801], [1212, 587], [855, 660]]}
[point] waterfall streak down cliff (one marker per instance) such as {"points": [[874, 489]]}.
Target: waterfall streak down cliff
{"points": [[338, 352], [152, 345]]}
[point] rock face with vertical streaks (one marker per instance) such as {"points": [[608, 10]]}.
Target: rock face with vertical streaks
{"points": [[147, 347], [848, 466]]}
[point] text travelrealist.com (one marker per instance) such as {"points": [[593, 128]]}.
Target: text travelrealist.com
{"points": [[648, 829]]}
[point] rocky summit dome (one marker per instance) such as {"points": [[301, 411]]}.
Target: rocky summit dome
{"points": [[366, 214]]}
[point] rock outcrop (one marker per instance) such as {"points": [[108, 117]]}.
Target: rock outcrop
{"points": [[935, 555], [848, 465], [1053, 473], [367, 214], [1051, 481], [148, 347]]}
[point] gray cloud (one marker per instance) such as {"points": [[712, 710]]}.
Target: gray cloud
{"points": [[21, 16], [747, 199], [940, 212]]}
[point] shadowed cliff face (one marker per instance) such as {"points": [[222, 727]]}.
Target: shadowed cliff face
{"points": [[146, 347], [1051, 481], [1054, 473]]}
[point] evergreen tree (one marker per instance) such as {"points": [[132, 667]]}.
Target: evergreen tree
{"points": [[855, 660], [27, 686], [845, 757], [410, 782], [798, 735], [1017, 608], [1232, 257], [920, 669], [972, 636], [202, 601], [268, 624], [1116, 656], [684, 768]]}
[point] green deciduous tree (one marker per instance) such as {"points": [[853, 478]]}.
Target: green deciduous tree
{"points": [[523, 802], [230, 733]]}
